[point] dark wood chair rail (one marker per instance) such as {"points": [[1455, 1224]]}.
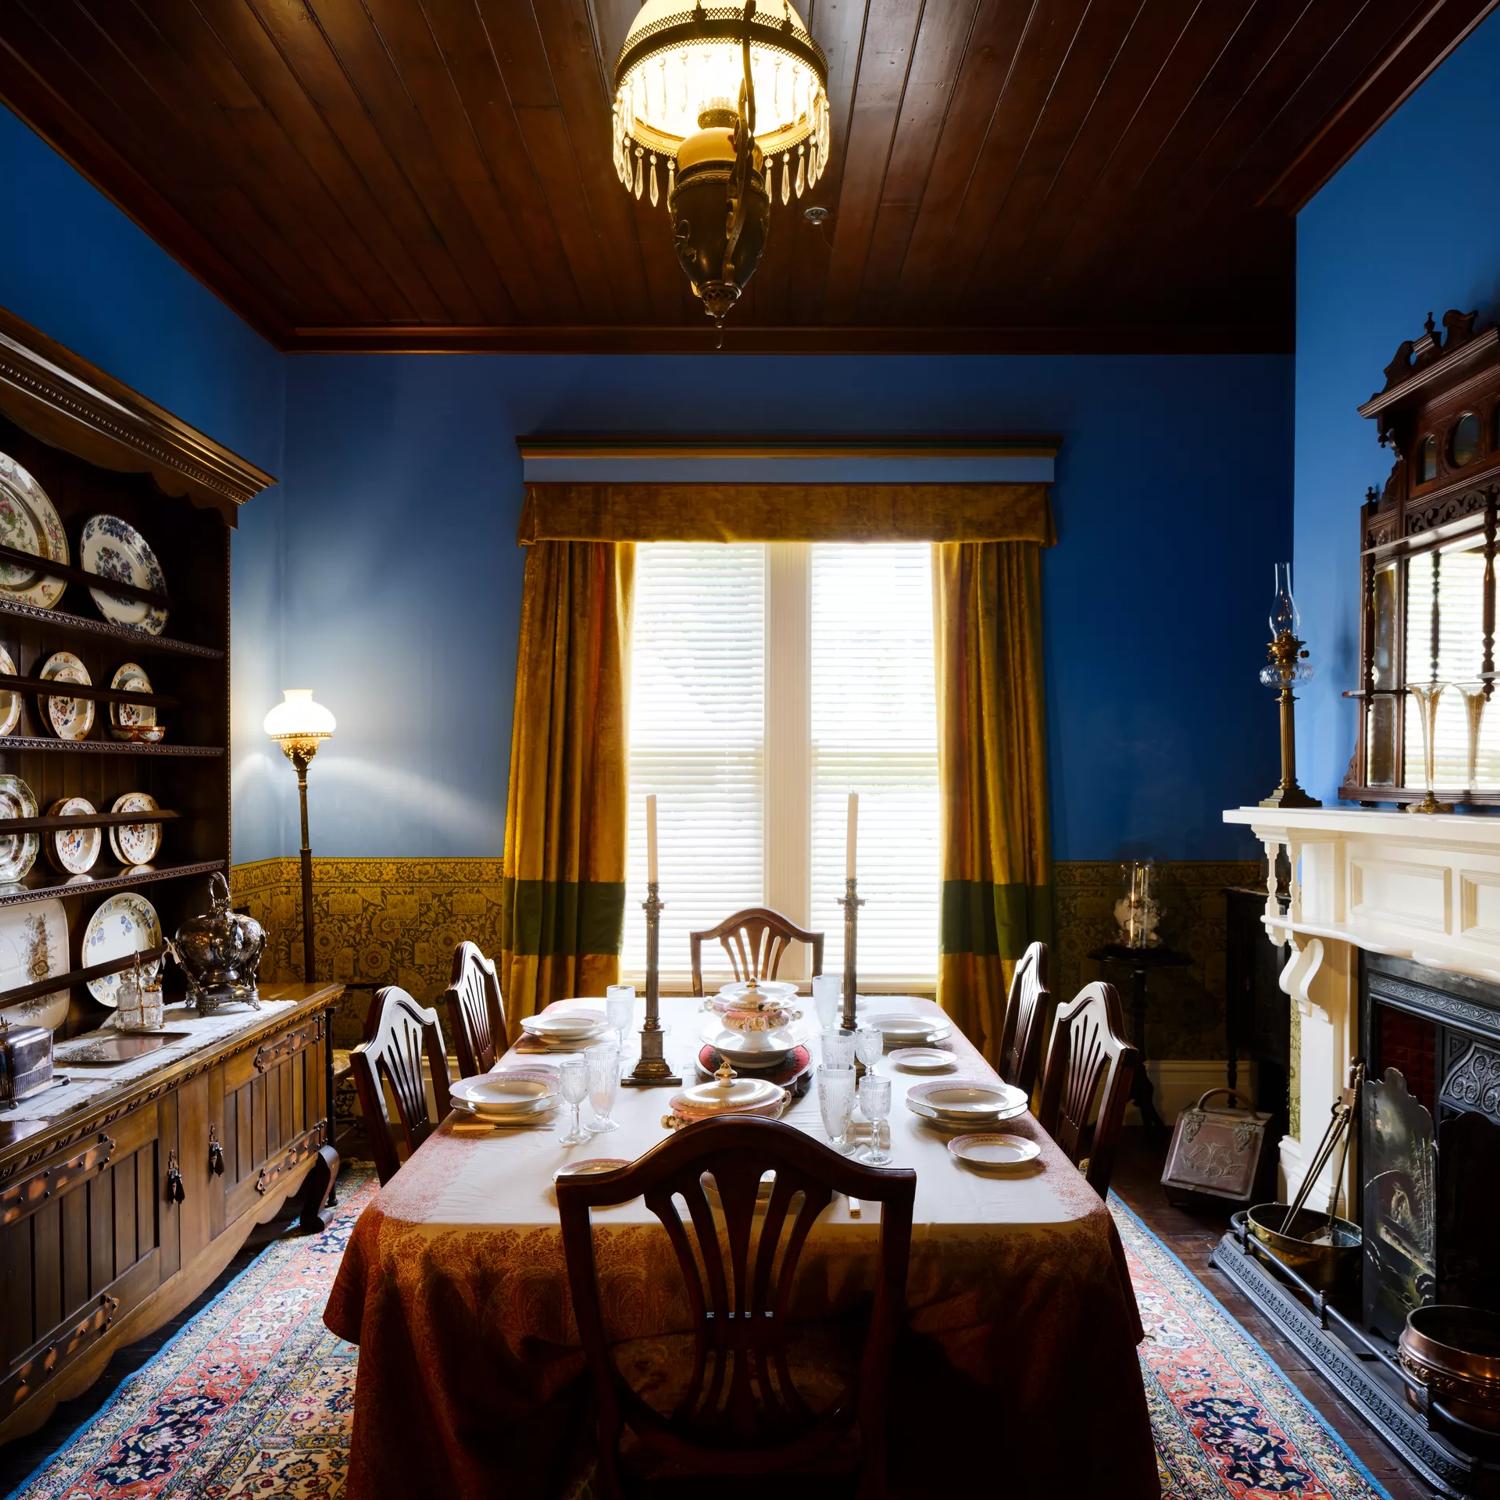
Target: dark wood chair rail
{"points": [[755, 940], [49, 687], [741, 1412], [404, 1033], [475, 1011], [1089, 1059], [73, 574], [1025, 1020]]}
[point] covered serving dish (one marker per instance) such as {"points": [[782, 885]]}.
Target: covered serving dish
{"points": [[755, 1005], [726, 1094], [220, 953]]}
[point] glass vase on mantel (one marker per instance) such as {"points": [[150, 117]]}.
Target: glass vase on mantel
{"points": [[1426, 697], [1475, 696], [1138, 911]]}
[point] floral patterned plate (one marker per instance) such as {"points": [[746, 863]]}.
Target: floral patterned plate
{"points": [[69, 718], [135, 843], [131, 678], [125, 923], [33, 946], [29, 520], [113, 548], [74, 851], [10, 703], [18, 851]]}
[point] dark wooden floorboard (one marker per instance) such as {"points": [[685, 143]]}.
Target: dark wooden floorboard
{"points": [[1191, 1236]]}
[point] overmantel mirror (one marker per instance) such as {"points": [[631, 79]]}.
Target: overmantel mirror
{"points": [[1429, 732]]}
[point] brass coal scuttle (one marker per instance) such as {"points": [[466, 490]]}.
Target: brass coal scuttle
{"points": [[220, 953]]}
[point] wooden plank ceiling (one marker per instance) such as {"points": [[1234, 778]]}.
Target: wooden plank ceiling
{"points": [[1007, 174]]}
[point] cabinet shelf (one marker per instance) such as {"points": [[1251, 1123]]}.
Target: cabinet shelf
{"points": [[74, 574], [140, 640], [55, 982], [29, 742], [9, 826], [49, 687], [41, 884]]}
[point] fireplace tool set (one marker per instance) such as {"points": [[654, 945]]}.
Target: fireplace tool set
{"points": [[1321, 1247]]}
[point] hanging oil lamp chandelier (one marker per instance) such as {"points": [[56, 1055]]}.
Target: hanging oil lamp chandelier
{"points": [[728, 104]]}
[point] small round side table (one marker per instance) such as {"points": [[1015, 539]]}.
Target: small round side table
{"points": [[1142, 962]]}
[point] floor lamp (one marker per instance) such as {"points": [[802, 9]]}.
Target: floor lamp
{"points": [[299, 726]]}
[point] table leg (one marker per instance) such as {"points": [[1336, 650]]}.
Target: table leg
{"points": [[1142, 1094]]}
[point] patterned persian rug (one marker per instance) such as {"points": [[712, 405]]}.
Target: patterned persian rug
{"points": [[254, 1396]]}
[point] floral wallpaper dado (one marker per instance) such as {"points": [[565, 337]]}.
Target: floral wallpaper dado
{"points": [[397, 921]]}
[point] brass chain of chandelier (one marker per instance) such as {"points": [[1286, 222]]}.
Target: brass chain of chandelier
{"points": [[735, 97]]}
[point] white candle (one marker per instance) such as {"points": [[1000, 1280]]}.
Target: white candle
{"points": [[651, 839], [850, 843]]}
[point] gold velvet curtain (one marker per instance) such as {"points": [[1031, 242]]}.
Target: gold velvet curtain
{"points": [[563, 899], [992, 758]]}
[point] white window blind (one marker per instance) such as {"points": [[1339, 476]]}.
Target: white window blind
{"points": [[766, 684], [874, 731], [697, 739]]}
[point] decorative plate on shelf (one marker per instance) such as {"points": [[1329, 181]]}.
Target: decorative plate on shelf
{"points": [[34, 946], [125, 923], [135, 843], [18, 851], [10, 702], [113, 548], [29, 521], [74, 851], [131, 678], [69, 718]]}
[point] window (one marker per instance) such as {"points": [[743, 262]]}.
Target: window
{"points": [[768, 682]]}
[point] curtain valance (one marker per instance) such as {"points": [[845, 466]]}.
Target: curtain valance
{"points": [[779, 512]]}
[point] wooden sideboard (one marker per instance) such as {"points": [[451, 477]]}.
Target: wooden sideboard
{"points": [[97, 1248]]}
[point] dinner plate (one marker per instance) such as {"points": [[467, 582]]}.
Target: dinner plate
{"points": [[923, 1059], [73, 851], [29, 521], [902, 1030], [993, 1152], [114, 549], [502, 1093], [592, 1166], [930, 1117], [131, 678], [135, 843], [125, 923], [18, 851], [966, 1098], [566, 1026], [68, 718], [33, 946], [10, 700]]}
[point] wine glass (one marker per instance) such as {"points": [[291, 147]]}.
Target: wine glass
{"points": [[828, 994], [836, 1101], [603, 1061], [838, 1049], [869, 1047], [875, 1102], [573, 1084], [619, 1007]]}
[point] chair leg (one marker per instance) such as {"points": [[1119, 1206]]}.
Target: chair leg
{"points": [[872, 1468]]}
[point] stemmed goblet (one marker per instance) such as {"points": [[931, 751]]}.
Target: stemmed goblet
{"points": [[869, 1047], [573, 1085], [619, 1008], [875, 1102]]}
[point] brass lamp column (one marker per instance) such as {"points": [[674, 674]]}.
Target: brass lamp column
{"points": [[1287, 655], [299, 726]]}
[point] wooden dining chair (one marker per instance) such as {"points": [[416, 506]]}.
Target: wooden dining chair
{"points": [[1025, 1020], [476, 1014], [1089, 1060], [755, 940], [735, 1407], [389, 1064]]}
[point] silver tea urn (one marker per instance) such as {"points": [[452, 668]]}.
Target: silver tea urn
{"points": [[220, 953]]}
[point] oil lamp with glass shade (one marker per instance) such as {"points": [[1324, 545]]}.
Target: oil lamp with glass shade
{"points": [[729, 103], [299, 725], [1287, 658]]}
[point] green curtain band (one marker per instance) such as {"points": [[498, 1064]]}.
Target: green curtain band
{"points": [[563, 918], [993, 920]]}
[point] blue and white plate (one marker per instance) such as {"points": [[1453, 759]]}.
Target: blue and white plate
{"points": [[126, 923], [113, 548]]}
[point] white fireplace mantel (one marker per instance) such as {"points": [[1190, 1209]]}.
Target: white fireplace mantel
{"points": [[1409, 885]]}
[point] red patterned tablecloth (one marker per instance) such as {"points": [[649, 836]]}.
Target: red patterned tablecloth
{"points": [[470, 1377]]}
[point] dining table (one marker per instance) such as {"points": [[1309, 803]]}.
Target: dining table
{"points": [[1019, 1357]]}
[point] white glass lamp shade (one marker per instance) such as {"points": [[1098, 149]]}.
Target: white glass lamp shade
{"points": [[298, 717]]}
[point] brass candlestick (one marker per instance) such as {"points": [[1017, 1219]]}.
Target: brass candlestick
{"points": [[851, 901], [1287, 654], [652, 1070]]}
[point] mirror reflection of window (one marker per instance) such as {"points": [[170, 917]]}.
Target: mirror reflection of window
{"points": [[1380, 769], [1463, 446], [1427, 461]]}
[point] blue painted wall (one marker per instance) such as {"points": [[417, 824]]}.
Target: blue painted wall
{"points": [[402, 576], [75, 266], [1410, 225]]}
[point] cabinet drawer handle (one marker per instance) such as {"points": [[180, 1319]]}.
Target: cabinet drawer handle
{"points": [[215, 1152], [175, 1192]]}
